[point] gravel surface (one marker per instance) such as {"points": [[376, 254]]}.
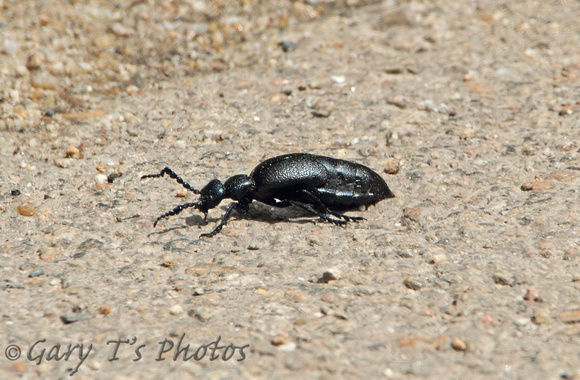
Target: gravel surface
{"points": [[469, 110]]}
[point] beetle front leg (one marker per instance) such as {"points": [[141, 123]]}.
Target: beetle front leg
{"points": [[239, 206]]}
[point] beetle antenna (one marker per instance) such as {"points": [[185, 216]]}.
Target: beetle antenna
{"points": [[172, 174], [176, 211]]}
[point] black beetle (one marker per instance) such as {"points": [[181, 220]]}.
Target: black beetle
{"points": [[321, 185]]}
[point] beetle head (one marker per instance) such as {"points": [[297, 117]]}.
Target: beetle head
{"points": [[211, 196], [240, 188]]}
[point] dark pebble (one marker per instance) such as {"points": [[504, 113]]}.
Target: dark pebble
{"points": [[288, 46], [394, 70], [510, 149], [78, 255], [73, 317], [36, 272], [15, 192], [415, 176], [90, 244], [322, 113]]}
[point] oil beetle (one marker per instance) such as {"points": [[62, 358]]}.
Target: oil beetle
{"points": [[320, 185]]}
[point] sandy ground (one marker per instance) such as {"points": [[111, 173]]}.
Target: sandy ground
{"points": [[469, 110]]}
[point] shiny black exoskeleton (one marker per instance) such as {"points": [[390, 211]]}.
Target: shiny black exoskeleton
{"points": [[321, 185]]}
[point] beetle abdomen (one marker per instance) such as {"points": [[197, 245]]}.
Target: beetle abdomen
{"points": [[351, 185], [338, 184]]}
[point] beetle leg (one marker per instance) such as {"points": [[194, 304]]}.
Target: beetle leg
{"points": [[172, 174], [239, 206], [346, 217], [277, 203], [322, 207], [322, 215], [175, 211]]}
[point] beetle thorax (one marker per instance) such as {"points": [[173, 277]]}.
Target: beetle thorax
{"points": [[240, 188]]}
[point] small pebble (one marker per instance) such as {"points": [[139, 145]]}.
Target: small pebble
{"points": [[468, 133], [36, 272], [394, 70], [280, 339], [176, 310], [120, 30], [322, 113], [253, 247], [323, 110], [73, 151], [295, 295], [503, 278], [35, 60], [104, 310], [40, 79], [397, 101], [537, 186], [15, 192], [26, 209], [288, 347], [413, 283], [198, 291], [101, 180], [111, 177], [391, 166], [73, 317], [288, 46], [62, 163], [169, 260], [411, 218], [338, 78], [49, 254], [181, 193], [541, 316], [572, 316], [521, 321], [201, 315], [458, 344], [328, 275], [427, 105], [278, 97], [439, 258], [533, 294]]}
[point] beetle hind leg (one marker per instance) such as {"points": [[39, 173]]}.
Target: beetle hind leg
{"points": [[346, 217], [323, 215]]}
